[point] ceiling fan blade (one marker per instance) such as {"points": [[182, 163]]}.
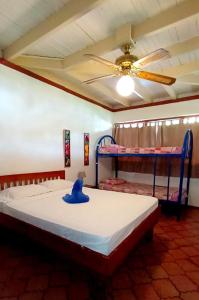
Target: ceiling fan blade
{"points": [[98, 78], [156, 77], [151, 57], [101, 60]]}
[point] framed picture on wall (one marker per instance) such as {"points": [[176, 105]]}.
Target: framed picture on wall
{"points": [[86, 149], [67, 161]]}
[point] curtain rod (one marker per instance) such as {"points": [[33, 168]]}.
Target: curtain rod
{"points": [[159, 119]]}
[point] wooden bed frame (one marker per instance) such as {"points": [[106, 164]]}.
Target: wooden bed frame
{"points": [[99, 263]]}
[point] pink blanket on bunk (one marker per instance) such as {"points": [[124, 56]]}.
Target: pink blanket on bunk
{"points": [[120, 149], [120, 185]]}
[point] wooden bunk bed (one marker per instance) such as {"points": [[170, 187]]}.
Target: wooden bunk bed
{"points": [[107, 147], [104, 265]]}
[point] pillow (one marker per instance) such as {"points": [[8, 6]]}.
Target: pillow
{"points": [[18, 192], [57, 184]]}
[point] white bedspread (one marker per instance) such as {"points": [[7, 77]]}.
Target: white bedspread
{"points": [[100, 224]]}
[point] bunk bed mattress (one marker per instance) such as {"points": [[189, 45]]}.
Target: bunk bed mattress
{"points": [[137, 150], [100, 224], [143, 189]]}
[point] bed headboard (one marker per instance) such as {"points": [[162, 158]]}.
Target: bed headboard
{"points": [[28, 178]]}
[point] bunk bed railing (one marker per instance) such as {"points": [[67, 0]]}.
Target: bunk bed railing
{"points": [[104, 140], [190, 153]]}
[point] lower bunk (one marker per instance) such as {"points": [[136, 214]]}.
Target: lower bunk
{"points": [[164, 194]]}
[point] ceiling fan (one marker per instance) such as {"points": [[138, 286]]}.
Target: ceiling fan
{"points": [[128, 65]]}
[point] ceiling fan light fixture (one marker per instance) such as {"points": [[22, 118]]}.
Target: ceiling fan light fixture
{"points": [[125, 86]]}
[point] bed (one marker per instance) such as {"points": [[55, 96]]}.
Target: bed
{"points": [[167, 195], [123, 186], [84, 233]]}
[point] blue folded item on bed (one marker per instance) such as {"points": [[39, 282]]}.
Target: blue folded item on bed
{"points": [[77, 195]]}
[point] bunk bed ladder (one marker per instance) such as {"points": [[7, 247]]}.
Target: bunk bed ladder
{"points": [[96, 168], [168, 179], [154, 174], [180, 187], [116, 167], [190, 153]]}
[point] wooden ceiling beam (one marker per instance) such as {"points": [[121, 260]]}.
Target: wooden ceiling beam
{"points": [[170, 91], [191, 79], [142, 91], [184, 47], [73, 10], [167, 18], [38, 62], [180, 70]]}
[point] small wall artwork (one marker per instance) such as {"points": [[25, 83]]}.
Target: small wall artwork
{"points": [[67, 147], [86, 149]]}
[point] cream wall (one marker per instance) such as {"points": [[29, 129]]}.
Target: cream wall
{"points": [[154, 112], [32, 118]]}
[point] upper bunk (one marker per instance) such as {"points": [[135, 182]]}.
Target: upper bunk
{"points": [[107, 147]]}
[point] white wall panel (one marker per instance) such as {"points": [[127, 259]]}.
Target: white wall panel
{"points": [[33, 116]]}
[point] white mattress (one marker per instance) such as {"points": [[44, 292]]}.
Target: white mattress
{"points": [[100, 224]]}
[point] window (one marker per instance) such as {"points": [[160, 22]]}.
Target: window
{"points": [[160, 122]]}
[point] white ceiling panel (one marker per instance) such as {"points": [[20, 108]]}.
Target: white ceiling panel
{"points": [[188, 29], [18, 17], [63, 42], [184, 89]]}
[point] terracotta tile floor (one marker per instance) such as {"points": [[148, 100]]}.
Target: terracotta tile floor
{"points": [[166, 268]]}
